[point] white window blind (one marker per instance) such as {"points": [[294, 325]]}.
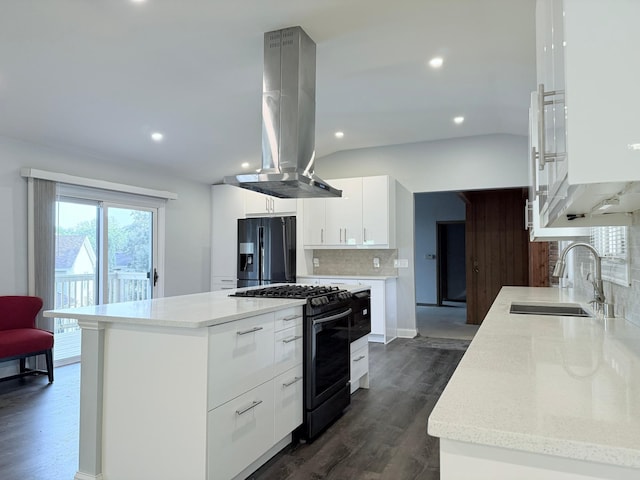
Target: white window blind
{"points": [[612, 243]]}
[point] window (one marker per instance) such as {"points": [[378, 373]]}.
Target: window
{"points": [[91, 242], [612, 244], [105, 252]]}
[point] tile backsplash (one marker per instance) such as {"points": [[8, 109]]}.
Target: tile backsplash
{"points": [[626, 300], [355, 262]]}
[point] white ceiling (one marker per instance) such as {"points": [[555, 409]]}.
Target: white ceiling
{"points": [[99, 76]]}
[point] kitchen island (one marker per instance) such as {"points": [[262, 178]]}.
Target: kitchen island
{"points": [[542, 397], [202, 386]]}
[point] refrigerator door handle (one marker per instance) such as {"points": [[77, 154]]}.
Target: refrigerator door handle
{"points": [[260, 255], [284, 251]]}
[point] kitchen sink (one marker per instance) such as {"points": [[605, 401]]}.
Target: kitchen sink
{"points": [[558, 309]]}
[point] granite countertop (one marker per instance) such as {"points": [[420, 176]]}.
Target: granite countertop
{"points": [[563, 386], [186, 311]]}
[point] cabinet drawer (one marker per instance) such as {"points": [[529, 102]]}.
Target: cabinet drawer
{"points": [[240, 357], [287, 318], [223, 283], [288, 348], [239, 432], [288, 389], [359, 363]]}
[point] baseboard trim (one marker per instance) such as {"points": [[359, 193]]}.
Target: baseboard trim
{"points": [[419, 304], [407, 333], [86, 476]]}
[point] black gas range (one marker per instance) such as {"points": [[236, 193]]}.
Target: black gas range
{"points": [[320, 298], [328, 314]]}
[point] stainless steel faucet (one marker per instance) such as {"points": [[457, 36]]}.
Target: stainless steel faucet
{"points": [[599, 300]]}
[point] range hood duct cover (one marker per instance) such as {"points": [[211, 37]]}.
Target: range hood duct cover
{"points": [[288, 120]]}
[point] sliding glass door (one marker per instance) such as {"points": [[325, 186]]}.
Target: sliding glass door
{"points": [[104, 253]]}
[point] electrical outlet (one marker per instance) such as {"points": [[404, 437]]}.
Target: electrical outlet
{"points": [[395, 264], [316, 262], [376, 262]]}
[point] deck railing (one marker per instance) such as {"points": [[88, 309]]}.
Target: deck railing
{"points": [[79, 290]]}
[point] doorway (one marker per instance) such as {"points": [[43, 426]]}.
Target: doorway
{"points": [[451, 265], [497, 247], [104, 253]]}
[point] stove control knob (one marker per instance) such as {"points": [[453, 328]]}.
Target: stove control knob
{"points": [[315, 302]]}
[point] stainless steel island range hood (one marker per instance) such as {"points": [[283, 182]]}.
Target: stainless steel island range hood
{"points": [[288, 120]]}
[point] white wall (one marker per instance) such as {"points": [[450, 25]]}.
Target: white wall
{"points": [[469, 163], [187, 218], [429, 209], [406, 276]]}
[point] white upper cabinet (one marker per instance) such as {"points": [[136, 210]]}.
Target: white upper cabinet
{"points": [[588, 143], [227, 207], [344, 214], [258, 204], [538, 189], [313, 218], [363, 217], [378, 211]]}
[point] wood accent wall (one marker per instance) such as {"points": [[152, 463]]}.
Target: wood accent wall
{"points": [[539, 264], [497, 247]]}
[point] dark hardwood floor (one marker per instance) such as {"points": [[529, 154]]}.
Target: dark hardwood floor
{"points": [[39, 426], [381, 436]]}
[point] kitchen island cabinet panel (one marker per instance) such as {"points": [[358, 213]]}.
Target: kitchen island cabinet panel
{"points": [[288, 391], [240, 429], [288, 349], [241, 356], [166, 384], [154, 388]]}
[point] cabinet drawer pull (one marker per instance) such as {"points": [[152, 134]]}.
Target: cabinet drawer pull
{"points": [[291, 382], [227, 280], [292, 339], [251, 330], [359, 358], [291, 317], [253, 405]]}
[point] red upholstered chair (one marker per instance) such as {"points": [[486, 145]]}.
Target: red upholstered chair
{"points": [[19, 337]]}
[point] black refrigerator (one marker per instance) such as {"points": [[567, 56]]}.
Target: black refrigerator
{"points": [[266, 251]]}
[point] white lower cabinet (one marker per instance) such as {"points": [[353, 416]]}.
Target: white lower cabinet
{"points": [[288, 401], [288, 348], [239, 430], [240, 357], [359, 364], [254, 390], [223, 283]]}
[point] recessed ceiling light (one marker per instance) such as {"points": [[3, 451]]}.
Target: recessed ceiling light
{"points": [[458, 120], [436, 62], [157, 136], [245, 165], [339, 134]]}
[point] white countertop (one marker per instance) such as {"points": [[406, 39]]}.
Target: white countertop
{"points": [[562, 386], [356, 277], [186, 311]]}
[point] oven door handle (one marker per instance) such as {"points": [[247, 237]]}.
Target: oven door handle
{"points": [[332, 318]]}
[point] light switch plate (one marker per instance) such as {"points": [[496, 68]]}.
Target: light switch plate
{"points": [[316, 262], [376, 262]]}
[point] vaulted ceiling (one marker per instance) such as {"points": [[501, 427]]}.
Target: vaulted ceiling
{"points": [[101, 76]]}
